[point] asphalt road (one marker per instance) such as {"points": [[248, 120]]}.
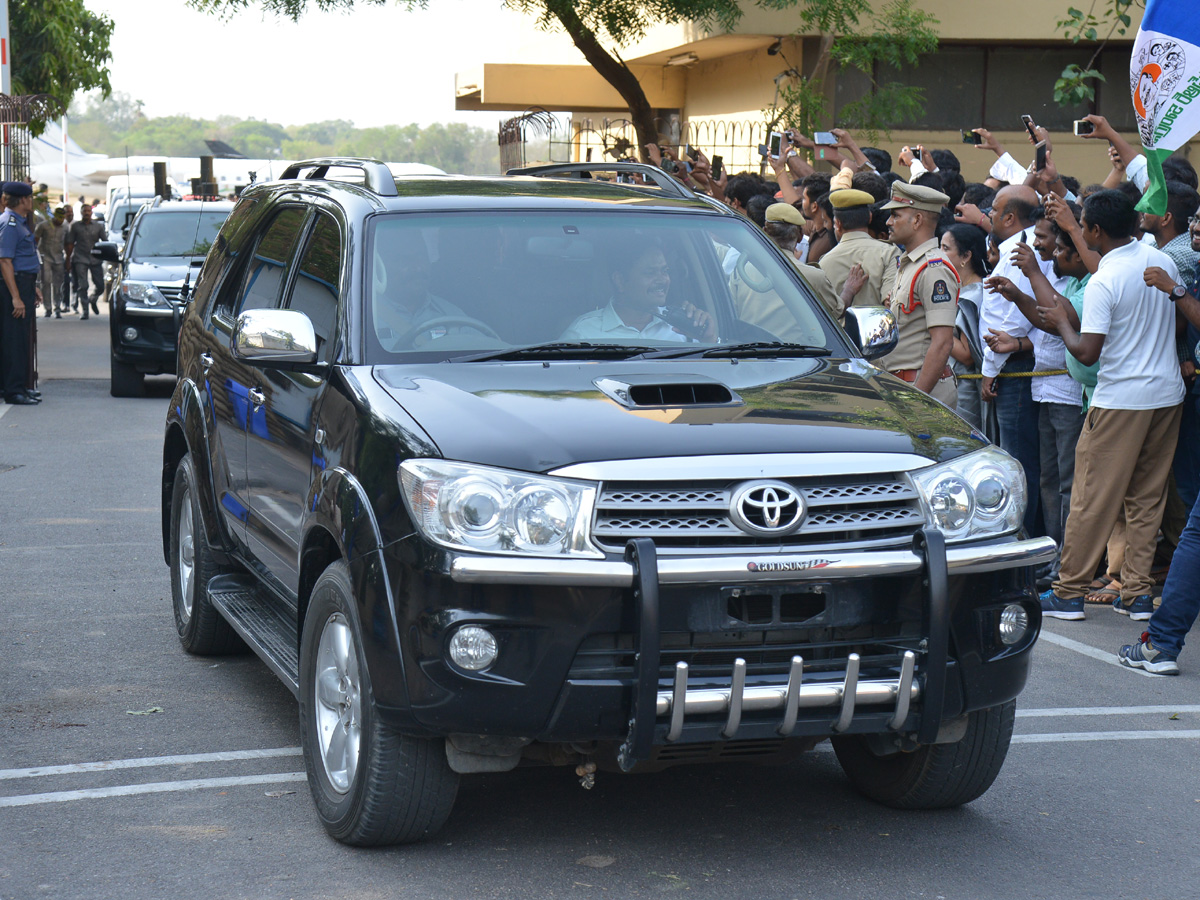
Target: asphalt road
{"points": [[129, 769]]}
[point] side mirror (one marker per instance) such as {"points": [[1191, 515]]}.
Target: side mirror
{"points": [[107, 251], [873, 328], [282, 338]]}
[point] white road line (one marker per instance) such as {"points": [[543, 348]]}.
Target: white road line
{"points": [[159, 787], [1104, 711], [1089, 650], [1096, 736], [148, 762]]}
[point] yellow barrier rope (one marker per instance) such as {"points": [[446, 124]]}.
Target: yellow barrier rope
{"points": [[1023, 374]]}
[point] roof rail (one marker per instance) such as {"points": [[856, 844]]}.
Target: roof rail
{"points": [[585, 169], [378, 176]]}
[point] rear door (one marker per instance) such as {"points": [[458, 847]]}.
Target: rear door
{"points": [[282, 442]]}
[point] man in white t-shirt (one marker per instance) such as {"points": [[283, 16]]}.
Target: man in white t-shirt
{"points": [[1125, 452]]}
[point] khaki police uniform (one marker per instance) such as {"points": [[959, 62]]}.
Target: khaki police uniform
{"points": [[877, 258], [923, 296]]}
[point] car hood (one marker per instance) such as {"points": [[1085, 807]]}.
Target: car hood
{"points": [[538, 417], [160, 268]]}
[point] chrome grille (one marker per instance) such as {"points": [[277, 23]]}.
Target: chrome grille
{"points": [[842, 510], [170, 291]]}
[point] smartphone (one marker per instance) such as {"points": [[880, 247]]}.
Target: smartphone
{"points": [[677, 318], [970, 137], [692, 153], [775, 144], [1083, 126], [1040, 156], [1028, 120], [763, 150], [589, 155], [717, 164], [826, 138]]}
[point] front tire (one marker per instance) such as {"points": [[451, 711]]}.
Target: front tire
{"points": [[934, 776], [125, 380], [202, 630], [372, 786]]}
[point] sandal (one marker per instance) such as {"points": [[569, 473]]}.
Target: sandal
{"points": [[1105, 595]]}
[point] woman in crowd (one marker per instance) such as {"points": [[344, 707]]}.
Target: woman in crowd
{"points": [[965, 248]]}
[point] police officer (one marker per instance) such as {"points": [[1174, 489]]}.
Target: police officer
{"points": [[19, 296], [924, 295], [851, 224]]}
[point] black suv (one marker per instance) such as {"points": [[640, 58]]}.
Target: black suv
{"points": [[558, 469], [161, 258]]}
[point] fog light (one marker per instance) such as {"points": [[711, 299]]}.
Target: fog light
{"points": [[130, 334], [473, 648], [1014, 622]]}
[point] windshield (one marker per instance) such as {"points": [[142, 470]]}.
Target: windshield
{"points": [[459, 286], [188, 233]]}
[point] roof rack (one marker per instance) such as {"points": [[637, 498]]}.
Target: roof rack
{"points": [[584, 170], [378, 176]]}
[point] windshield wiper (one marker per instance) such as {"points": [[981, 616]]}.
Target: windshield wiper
{"points": [[565, 349], [746, 349]]}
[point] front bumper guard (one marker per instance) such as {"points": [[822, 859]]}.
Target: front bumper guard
{"points": [[960, 560]]}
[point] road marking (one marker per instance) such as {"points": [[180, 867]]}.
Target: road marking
{"points": [[3, 409], [1089, 650], [158, 787], [1097, 736], [41, 548], [1105, 711], [148, 762]]}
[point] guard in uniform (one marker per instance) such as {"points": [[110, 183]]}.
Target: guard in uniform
{"points": [[851, 221], [924, 295], [19, 296]]}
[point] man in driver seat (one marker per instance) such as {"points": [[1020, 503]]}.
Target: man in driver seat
{"points": [[641, 281], [403, 304]]}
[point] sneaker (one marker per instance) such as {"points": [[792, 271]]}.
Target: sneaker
{"points": [[1138, 608], [1056, 607], [1144, 655]]}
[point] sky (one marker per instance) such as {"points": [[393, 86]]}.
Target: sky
{"points": [[373, 66]]}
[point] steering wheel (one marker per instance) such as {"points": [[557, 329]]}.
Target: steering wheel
{"points": [[760, 284], [407, 339]]}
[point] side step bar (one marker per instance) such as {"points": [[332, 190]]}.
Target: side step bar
{"points": [[264, 622]]}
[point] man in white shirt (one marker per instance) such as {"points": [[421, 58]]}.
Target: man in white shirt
{"points": [[1128, 441], [1016, 413]]}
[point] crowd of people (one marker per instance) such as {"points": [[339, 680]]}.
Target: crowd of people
{"points": [[44, 254], [1051, 315]]}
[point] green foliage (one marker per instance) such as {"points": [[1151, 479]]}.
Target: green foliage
{"points": [[116, 127], [856, 37], [1076, 85], [58, 48]]}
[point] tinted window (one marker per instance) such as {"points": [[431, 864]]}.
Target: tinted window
{"points": [[177, 233], [265, 274], [318, 281]]}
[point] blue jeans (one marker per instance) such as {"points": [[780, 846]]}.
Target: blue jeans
{"points": [[1187, 452], [1181, 594], [1017, 417], [1059, 427]]}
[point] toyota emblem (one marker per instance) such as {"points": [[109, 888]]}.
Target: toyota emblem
{"points": [[767, 508]]}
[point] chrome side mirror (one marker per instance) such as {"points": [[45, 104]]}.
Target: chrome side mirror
{"points": [[281, 337], [873, 328]]}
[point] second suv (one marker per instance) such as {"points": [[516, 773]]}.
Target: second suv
{"points": [[166, 245]]}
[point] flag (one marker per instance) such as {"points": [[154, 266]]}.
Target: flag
{"points": [[1164, 79]]}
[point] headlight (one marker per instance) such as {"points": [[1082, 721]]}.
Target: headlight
{"points": [[977, 495], [468, 507], [142, 294]]}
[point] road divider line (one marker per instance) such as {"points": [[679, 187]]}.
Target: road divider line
{"points": [[147, 762], [1192, 734], [158, 787], [1104, 711], [1089, 650]]}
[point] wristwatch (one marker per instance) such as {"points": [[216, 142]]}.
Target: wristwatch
{"points": [[1177, 292]]}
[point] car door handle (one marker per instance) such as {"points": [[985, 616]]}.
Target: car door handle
{"points": [[257, 397], [206, 360]]}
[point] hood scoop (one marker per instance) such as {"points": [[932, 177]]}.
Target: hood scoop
{"points": [[657, 391]]}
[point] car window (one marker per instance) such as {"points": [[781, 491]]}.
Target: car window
{"points": [[317, 285], [189, 233], [264, 277], [457, 283]]}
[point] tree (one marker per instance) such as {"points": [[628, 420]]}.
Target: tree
{"points": [[1075, 85], [58, 48], [853, 36]]}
